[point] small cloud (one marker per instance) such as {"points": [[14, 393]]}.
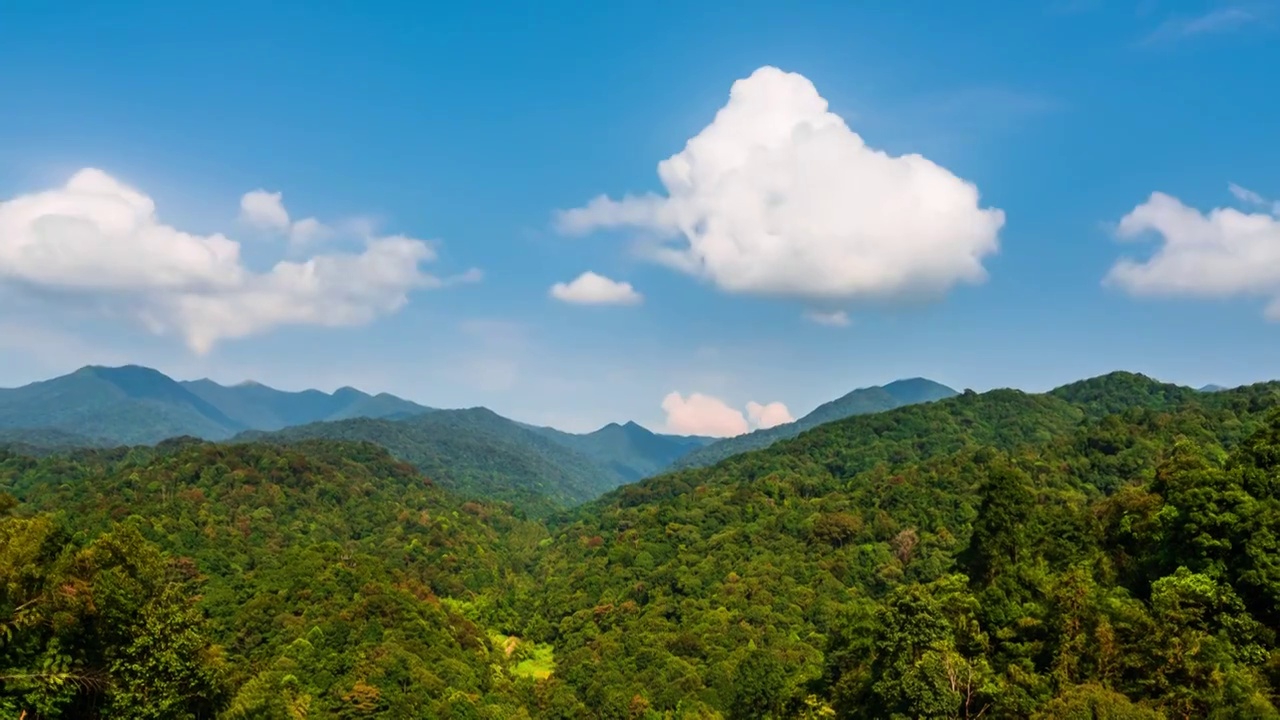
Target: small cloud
{"points": [[1249, 197], [838, 318], [592, 289], [308, 230], [264, 210], [1218, 21], [473, 275], [767, 416], [1223, 253], [700, 414]]}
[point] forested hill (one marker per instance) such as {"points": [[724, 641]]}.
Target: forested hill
{"points": [[251, 581], [1000, 555], [476, 453], [628, 451], [859, 402], [1106, 550]]}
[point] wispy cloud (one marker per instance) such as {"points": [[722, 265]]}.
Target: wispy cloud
{"points": [[1221, 20]]}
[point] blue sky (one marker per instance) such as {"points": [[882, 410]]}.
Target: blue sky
{"points": [[473, 125]]}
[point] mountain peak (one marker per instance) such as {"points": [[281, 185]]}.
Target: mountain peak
{"points": [[109, 371], [910, 391]]}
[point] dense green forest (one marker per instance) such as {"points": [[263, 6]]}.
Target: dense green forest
{"points": [[862, 401], [1107, 550]]}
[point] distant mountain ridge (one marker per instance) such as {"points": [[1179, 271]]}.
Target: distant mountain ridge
{"points": [[259, 407], [630, 450], [476, 453], [134, 405], [863, 401]]}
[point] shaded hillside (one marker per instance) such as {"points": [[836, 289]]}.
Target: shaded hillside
{"points": [[46, 440], [629, 451], [859, 402], [259, 407], [476, 453]]}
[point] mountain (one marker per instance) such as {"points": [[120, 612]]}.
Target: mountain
{"points": [[1119, 391], [259, 407], [859, 402], [134, 405], [630, 451], [1102, 550], [945, 559], [1213, 388], [120, 405], [293, 561], [476, 453]]}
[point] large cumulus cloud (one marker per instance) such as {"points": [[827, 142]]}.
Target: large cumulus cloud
{"points": [[778, 196], [99, 241]]}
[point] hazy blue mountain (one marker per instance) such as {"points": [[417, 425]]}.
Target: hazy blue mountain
{"points": [[134, 405], [631, 451], [1213, 388], [122, 405], [863, 401], [259, 407]]}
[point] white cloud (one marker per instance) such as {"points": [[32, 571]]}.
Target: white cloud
{"points": [[777, 196], [700, 414], [1217, 21], [101, 242], [592, 289], [767, 416], [1220, 254], [837, 318], [266, 211], [1249, 197], [263, 209]]}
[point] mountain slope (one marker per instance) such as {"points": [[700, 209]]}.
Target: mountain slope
{"points": [[1115, 392], [630, 451], [259, 407], [476, 453], [859, 402], [125, 405], [1000, 555], [333, 578], [870, 563], [134, 405]]}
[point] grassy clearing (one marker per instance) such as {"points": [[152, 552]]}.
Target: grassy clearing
{"points": [[537, 661]]}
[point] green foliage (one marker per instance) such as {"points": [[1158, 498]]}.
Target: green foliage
{"points": [[840, 554], [1104, 551], [863, 401], [324, 571], [478, 454]]}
